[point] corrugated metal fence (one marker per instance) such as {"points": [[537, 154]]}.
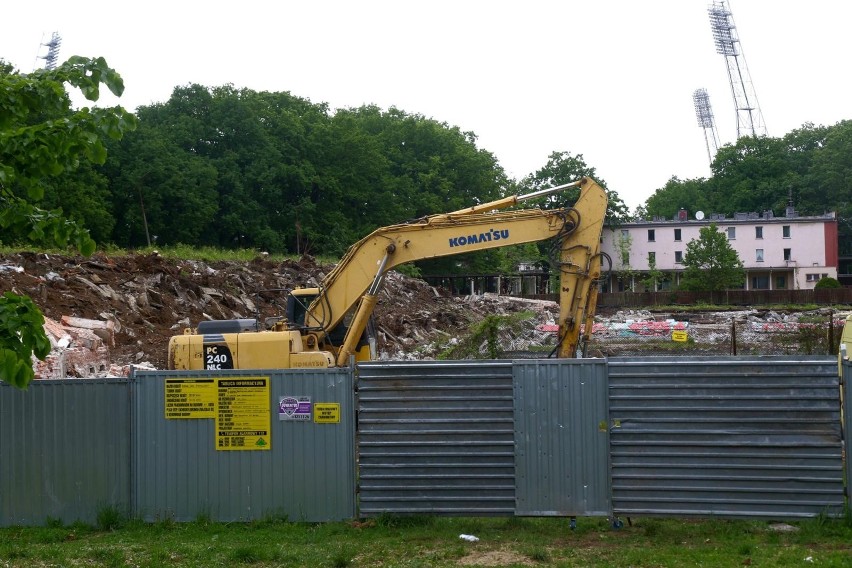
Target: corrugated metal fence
{"points": [[436, 437], [71, 448], [846, 373], [307, 474], [736, 437], [728, 437], [484, 438], [561, 438], [64, 450]]}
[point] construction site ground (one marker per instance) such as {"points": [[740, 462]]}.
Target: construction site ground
{"points": [[105, 313]]}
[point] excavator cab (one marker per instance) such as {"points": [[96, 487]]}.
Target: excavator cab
{"points": [[298, 302], [297, 306]]}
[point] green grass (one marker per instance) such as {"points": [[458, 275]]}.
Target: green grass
{"points": [[175, 252], [421, 541]]}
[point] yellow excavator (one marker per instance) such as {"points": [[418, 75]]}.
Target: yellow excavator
{"points": [[325, 326]]}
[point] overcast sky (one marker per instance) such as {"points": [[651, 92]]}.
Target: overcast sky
{"points": [[610, 79]]}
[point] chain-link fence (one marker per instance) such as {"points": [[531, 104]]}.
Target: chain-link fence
{"points": [[518, 337], [813, 335]]}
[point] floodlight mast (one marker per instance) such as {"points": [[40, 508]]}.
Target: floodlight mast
{"points": [[704, 114], [52, 51], [749, 117]]}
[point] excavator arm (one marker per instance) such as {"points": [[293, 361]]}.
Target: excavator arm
{"points": [[356, 280], [351, 289]]}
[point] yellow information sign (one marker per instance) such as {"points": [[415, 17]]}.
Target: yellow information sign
{"points": [[243, 415], [190, 398], [327, 413], [679, 335]]}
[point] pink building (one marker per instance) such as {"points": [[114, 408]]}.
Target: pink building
{"points": [[778, 253]]}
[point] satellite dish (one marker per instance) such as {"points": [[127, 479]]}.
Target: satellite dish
{"points": [[699, 215]]}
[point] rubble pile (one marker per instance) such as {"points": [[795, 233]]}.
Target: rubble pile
{"points": [[104, 313]]}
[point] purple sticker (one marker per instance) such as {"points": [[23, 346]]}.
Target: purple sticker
{"points": [[294, 408]]}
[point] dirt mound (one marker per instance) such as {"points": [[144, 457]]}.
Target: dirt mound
{"points": [[149, 298]]}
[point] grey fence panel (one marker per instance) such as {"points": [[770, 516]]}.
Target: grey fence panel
{"points": [[308, 474], [64, 450], [730, 437], [846, 373], [561, 438], [436, 437]]}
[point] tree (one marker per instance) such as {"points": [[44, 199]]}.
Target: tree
{"points": [[677, 194], [654, 277], [711, 264], [562, 168], [624, 272], [41, 137], [827, 282]]}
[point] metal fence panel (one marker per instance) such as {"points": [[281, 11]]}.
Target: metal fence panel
{"points": [[561, 438], [730, 437], [64, 450], [436, 437], [308, 474], [846, 373]]}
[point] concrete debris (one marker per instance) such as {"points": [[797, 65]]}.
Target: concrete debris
{"points": [[102, 312]]}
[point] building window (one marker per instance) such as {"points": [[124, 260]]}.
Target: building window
{"points": [[785, 231], [651, 235], [677, 234], [812, 277], [679, 256], [780, 282], [760, 282], [652, 258], [732, 233], [758, 253], [625, 233], [758, 232], [788, 254]]}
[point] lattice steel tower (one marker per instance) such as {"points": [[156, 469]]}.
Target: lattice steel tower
{"points": [[704, 114], [749, 118], [52, 51]]}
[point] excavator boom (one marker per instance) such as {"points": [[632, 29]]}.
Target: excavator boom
{"points": [[349, 292], [468, 230]]}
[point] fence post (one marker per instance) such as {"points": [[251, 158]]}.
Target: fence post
{"points": [[830, 332], [733, 337]]}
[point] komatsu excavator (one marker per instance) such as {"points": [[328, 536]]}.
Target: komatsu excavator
{"points": [[325, 326]]}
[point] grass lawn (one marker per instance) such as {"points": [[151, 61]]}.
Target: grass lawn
{"points": [[433, 541]]}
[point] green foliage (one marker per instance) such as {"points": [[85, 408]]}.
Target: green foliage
{"points": [[623, 270], [248, 555], [410, 270], [711, 263], [40, 136], [827, 282], [690, 195], [41, 139], [644, 542], [230, 167], [390, 520], [812, 165], [23, 222], [21, 336], [654, 276], [482, 340], [562, 168], [109, 518]]}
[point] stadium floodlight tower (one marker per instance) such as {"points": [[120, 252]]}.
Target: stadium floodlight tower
{"points": [[704, 114], [749, 117], [52, 51]]}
